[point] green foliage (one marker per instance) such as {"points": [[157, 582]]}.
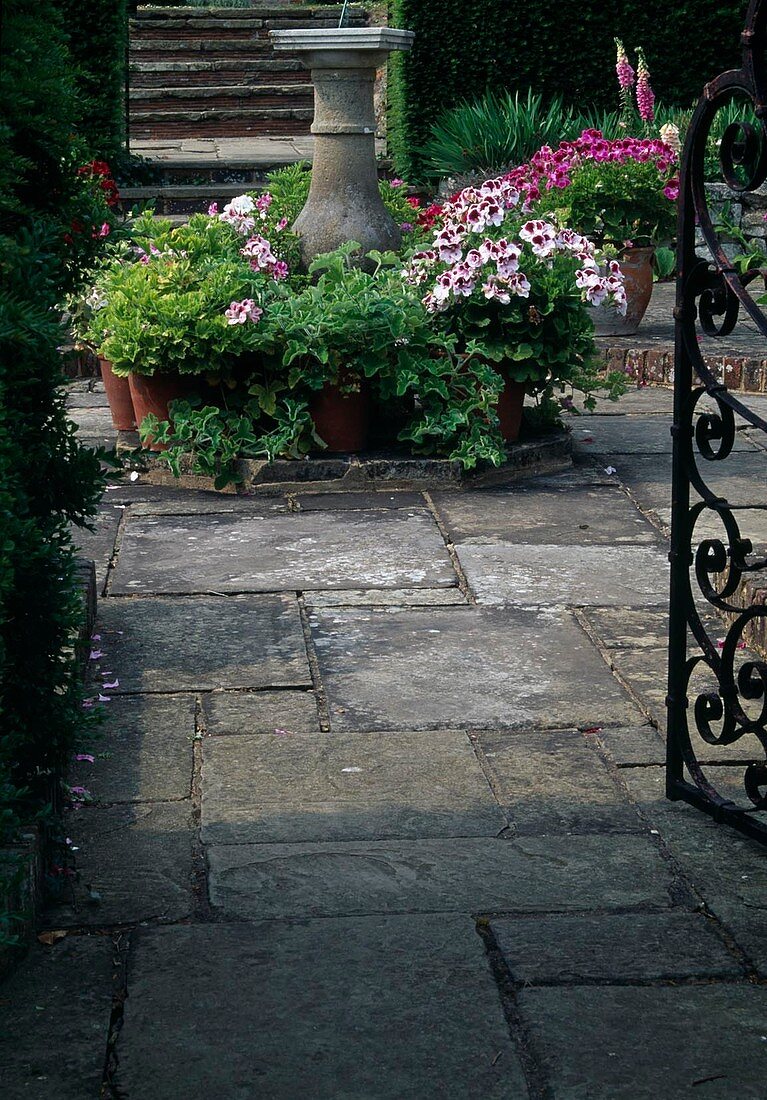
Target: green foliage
{"points": [[493, 133], [168, 314], [47, 481], [461, 50], [612, 202], [96, 32], [290, 190]]}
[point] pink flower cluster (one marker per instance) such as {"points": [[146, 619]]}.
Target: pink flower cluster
{"points": [[471, 258], [258, 253], [553, 168], [240, 312]]}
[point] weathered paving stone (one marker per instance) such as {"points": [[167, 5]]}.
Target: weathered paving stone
{"points": [[389, 549], [92, 420], [633, 435], [170, 500], [585, 516], [144, 752], [133, 862], [634, 1043], [554, 782], [382, 597], [344, 787], [532, 576], [463, 667], [203, 644], [325, 502], [531, 874], [613, 947], [384, 1007], [261, 712], [54, 1020], [727, 869], [98, 545], [634, 745], [624, 628], [739, 478]]}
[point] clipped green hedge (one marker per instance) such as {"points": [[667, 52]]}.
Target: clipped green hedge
{"points": [[464, 47], [47, 481], [96, 33]]}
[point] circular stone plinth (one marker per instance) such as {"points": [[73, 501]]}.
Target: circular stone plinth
{"points": [[373, 470]]}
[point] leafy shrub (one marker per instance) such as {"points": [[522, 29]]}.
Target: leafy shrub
{"points": [[46, 480], [96, 33], [493, 133]]}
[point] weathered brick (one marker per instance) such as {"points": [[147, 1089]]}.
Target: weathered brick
{"points": [[733, 372], [753, 376]]}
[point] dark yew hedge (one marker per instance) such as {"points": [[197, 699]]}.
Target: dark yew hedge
{"points": [[464, 47], [96, 33], [47, 481]]}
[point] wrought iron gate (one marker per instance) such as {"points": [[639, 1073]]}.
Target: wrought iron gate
{"points": [[717, 699]]}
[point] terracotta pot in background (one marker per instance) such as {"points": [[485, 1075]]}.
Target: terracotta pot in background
{"points": [[637, 274], [341, 419], [119, 398], [152, 394], [509, 410]]}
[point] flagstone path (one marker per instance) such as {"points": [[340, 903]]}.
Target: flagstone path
{"points": [[378, 812]]}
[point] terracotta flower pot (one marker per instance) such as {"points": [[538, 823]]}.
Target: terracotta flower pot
{"points": [[509, 409], [119, 398], [152, 394], [636, 264], [341, 419]]}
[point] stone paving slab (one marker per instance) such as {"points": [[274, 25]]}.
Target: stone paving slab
{"points": [[136, 859], [368, 549], [54, 1021], [739, 478], [630, 435], [505, 575], [203, 644], [266, 712], [382, 597], [554, 782], [159, 500], [345, 502], [727, 869], [98, 545], [344, 787], [144, 752], [635, 1043], [459, 667], [624, 628], [85, 399], [615, 947], [92, 420], [388, 1007], [470, 875], [566, 516]]}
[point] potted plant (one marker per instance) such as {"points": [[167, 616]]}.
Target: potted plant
{"points": [[511, 290], [187, 306]]}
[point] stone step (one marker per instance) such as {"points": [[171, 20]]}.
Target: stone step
{"points": [[226, 28], [186, 198], [293, 96], [291, 11], [223, 123], [225, 71]]}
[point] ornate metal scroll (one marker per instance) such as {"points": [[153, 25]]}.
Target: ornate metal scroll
{"points": [[717, 698]]}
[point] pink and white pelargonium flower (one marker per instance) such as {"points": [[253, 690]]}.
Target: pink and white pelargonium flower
{"points": [[239, 214], [258, 252], [468, 259], [241, 312]]}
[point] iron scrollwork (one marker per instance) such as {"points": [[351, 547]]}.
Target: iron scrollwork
{"points": [[717, 698]]}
